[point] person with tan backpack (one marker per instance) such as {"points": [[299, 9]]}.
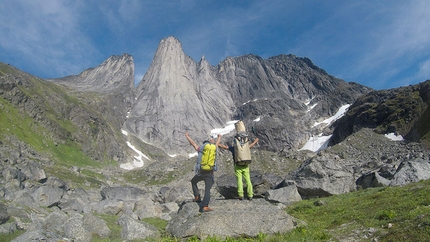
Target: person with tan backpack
{"points": [[241, 158]]}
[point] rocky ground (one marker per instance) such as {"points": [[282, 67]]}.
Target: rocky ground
{"points": [[48, 207]]}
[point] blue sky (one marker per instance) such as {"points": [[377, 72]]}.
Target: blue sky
{"points": [[378, 43]]}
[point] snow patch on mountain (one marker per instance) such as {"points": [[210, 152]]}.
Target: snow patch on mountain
{"points": [[316, 143], [320, 142], [394, 137], [137, 162], [342, 110]]}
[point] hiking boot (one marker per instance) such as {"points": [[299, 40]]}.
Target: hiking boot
{"points": [[197, 199], [207, 209], [239, 197], [250, 198]]}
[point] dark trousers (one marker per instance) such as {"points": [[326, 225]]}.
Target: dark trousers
{"points": [[208, 178]]}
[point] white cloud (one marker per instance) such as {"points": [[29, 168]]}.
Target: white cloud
{"points": [[45, 33], [424, 71]]}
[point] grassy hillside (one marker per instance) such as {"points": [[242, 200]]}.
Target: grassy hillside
{"points": [[389, 214]]}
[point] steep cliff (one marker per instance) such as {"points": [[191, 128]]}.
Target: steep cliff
{"points": [[286, 93], [177, 95]]}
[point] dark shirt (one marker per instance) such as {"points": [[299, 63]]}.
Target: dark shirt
{"points": [[231, 149]]}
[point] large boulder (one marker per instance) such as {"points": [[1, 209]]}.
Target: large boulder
{"points": [[323, 176], [261, 183], [286, 195], [230, 218], [411, 171]]}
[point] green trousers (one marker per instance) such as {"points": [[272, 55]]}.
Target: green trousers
{"points": [[243, 171]]}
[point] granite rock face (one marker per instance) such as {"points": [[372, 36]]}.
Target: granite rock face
{"points": [[287, 94], [177, 95]]}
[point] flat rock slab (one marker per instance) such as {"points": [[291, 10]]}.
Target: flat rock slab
{"points": [[230, 218]]}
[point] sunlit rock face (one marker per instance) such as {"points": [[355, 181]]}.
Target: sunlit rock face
{"points": [[287, 94]]}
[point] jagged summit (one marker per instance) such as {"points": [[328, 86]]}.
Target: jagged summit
{"points": [[175, 96], [115, 73]]}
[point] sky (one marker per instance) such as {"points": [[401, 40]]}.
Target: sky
{"points": [[381, 44]]}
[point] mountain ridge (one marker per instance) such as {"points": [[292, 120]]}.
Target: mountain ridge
{"points": [[206, 97]]}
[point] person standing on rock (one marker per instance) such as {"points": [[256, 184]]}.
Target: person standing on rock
{"points": [[241, 159], [204, 169]]}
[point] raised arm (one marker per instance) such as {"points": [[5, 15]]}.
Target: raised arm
{"points": [[253, 143], [218, 140], [225, 147], [196, 147]]}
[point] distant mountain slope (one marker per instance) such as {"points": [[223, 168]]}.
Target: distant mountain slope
{"points": [[112, 85], [55, 123], [403, 110]]}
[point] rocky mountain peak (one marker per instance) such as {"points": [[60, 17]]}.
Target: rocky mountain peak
{"points": [[175, 96], [115, 73]]}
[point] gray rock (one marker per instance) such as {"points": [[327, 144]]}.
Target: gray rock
{"points": [[411, 171], [233, 218], [11, 173], [75, 229], [261, 183], [96, 225], [111, 206], [18, 213], [146, 208], [25, 199], [74, 204], [56, 182], [227, 186], [322, 176], [33, 171], [55, 222], [8, 228], [33, 235], [48, 196], [286, 195], [372, 179], [122, 193], [76, 200], [4, 215], [177, 194], [133, 229]]}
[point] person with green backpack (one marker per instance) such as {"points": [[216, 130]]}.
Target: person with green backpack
{"points": [[204, 169]]}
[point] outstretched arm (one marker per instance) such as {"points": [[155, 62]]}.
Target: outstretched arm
{"points": [[218, 140], [225, 147], [253, 143], [196, 147]]}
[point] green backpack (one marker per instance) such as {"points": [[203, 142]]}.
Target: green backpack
{"points": [[206, 159]]}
